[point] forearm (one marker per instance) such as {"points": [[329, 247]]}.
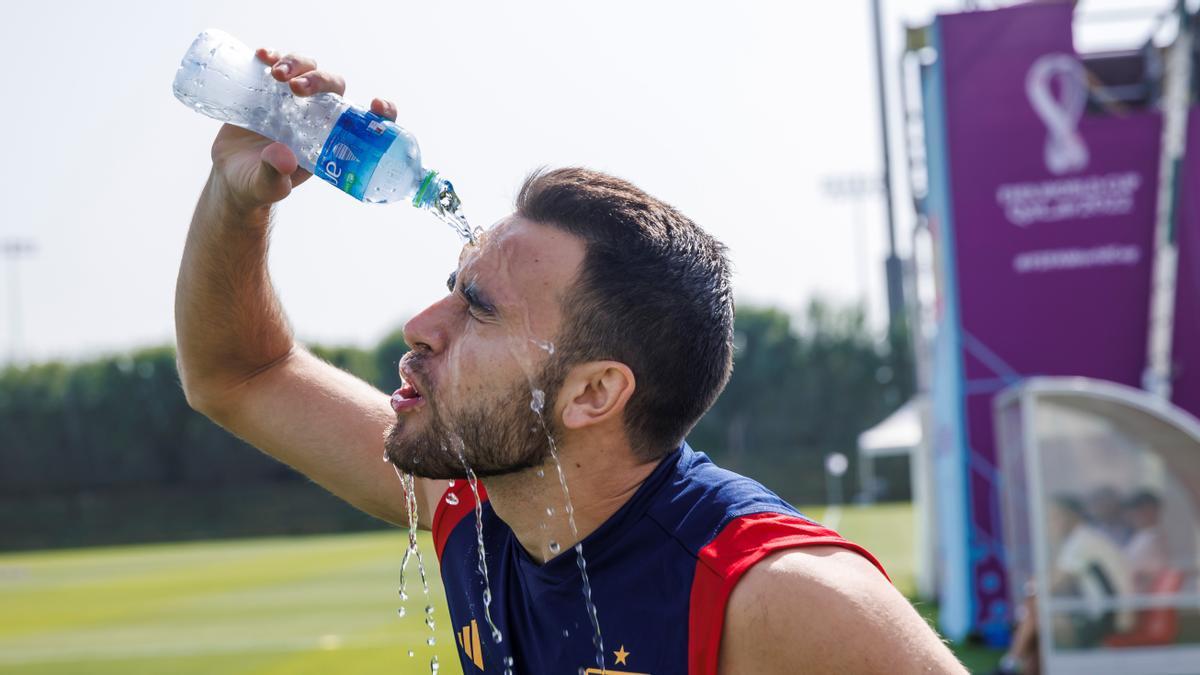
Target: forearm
{"points": [[228, 320]]}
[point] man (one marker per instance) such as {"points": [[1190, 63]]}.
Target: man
{"points": [[1104, 508], [611, 315], [1147, 551], [1088, 566]]}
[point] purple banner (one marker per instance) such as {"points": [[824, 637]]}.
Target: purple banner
{"points": [[1185, 341], [1046, 242]]}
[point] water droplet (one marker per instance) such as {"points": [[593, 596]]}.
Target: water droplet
{"points": [[433, 664], [554, 547], [541, 473], [566, 633], [545, 346], [450, 483], [538, 401], [403, 595], [487, 596], [496, 636], [451, 499], [431, 641], [429, 609], [410, 653], [401, 612], [550, 511]]}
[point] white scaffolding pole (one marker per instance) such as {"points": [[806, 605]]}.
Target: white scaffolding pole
{"points": [[1176, 98]]}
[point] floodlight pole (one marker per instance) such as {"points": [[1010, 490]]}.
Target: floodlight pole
{"points": [[892, 268], [856, 189], [12, 250]]}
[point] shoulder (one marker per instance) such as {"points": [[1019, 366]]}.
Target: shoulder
{"points": [[697, 499], [454, 501], [826, 609], [1086, 544]]}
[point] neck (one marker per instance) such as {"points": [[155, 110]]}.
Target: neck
{"points": [[532, 503]]}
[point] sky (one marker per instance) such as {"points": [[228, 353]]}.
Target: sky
{"points": [[739, 114]]}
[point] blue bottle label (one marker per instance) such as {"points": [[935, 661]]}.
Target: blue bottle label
{"points": [[353, 150]]}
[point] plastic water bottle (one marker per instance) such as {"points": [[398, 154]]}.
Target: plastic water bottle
{"points": [[366, 156]]}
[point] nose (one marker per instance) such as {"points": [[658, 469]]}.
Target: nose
{"points": [[427, 331]]}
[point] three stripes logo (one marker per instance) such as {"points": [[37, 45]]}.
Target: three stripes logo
{"points": [[468, 639]]}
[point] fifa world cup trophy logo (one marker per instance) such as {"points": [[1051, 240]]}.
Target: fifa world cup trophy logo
{"points": [[1060, 108]]}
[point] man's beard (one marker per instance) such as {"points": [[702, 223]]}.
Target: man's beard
{"points": [[491, 437]]}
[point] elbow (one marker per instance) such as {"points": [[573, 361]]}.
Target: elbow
{"points": [[201, 394]]}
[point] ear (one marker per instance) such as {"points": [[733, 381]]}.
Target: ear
{"points": [[595, 392]]}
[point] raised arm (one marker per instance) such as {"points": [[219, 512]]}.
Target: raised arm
{"points": [[238, 359]]}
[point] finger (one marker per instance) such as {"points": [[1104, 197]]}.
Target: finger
{"points": [[280, 157], [272, 181], [316, 82], [291, 65], [267, 56], [299, 176], [383, 108]]}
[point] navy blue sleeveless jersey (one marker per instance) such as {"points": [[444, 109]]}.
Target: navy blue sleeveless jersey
{"points": [[661, 570]]}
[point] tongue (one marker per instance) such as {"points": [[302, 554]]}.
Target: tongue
{"points": [[407, 391]]}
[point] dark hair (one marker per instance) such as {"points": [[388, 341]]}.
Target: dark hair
{"points": [[1071, 504], [1142, 499], [653, 292]]}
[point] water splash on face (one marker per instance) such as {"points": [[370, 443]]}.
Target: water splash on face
{"points": [[544, 345], [528, 352]]}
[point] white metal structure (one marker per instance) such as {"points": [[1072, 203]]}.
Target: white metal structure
{"points": [[1063, 439], [902, 434]]}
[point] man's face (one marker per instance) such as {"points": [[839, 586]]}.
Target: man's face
{"points": [[477, 354], [1061, 521], [1144, 515]]}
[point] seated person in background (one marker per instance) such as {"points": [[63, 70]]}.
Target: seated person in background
{"points": [[1106, 512], [1146, 551], [1089, 566]]}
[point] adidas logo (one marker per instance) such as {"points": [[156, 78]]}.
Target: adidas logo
{"points": [[468, 639]]}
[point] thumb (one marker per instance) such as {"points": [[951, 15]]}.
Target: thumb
{"points": [[272, 180]]}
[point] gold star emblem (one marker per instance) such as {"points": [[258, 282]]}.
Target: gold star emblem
{"points": [[621, 655]]}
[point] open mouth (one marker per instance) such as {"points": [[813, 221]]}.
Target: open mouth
{"points": [[406, 398]]}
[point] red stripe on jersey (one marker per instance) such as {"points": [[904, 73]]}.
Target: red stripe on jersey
{"points": [[741, 544], [447, 516]]}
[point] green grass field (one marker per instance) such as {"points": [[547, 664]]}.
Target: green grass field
{"points": [[316, 604]]}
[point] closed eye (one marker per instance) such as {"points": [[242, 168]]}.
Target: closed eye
{"points": [[478, 306]]}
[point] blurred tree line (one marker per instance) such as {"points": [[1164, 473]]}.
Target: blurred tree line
{"points": [[108, 450]]}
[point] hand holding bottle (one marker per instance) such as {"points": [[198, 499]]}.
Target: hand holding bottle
{"points": [[255, 171]]}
